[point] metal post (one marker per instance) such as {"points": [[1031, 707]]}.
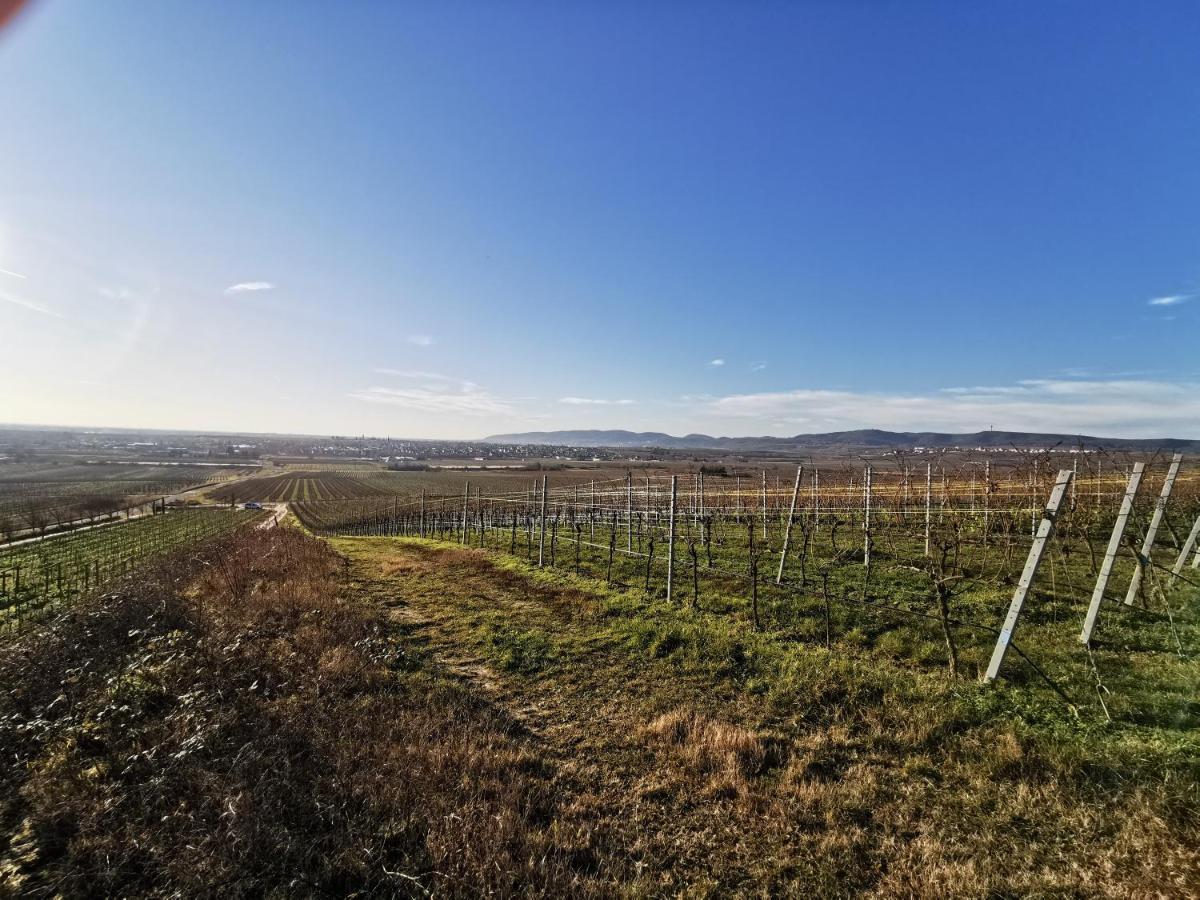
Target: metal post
{"points": [[1110, 555], [671, 540], [1160, 508], [1045, 529], [787, 531], [422, 512], [542, 526]]}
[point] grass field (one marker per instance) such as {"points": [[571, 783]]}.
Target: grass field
{"points": [[403, 717]]}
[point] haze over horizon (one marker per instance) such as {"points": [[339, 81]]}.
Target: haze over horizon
{"points": [[457, 221]]}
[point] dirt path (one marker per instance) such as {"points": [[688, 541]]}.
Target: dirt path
{"points": [[591, 711]]}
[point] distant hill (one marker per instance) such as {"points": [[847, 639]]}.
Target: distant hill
{"points": [[868, 438]]}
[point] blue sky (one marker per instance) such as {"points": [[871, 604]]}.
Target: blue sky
{"points": [[450, 220]]}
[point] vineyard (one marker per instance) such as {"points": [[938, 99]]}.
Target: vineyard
{"points": [[40, 576], [34, 497], [920, 562], [349, 484]]}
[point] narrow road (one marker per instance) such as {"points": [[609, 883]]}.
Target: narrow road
{"points": [[278, 511]]}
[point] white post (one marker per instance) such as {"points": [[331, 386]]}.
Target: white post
{"points": [[671, 540], [1031, 566], [629, 512], [1110, 555], [466, 503], [867, 517], [787, 531], [1152, 530], [1183, 554], [764, 503], [542, 527]]}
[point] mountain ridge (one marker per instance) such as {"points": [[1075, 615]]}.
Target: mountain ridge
{"points": [[865, 438]]}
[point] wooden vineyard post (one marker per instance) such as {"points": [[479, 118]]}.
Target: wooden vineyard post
{"points": [[422, 521], [1160, 508], [542, 526], [1183, 554], [787, 530], [671, 539], [1045, 530], [1110, 555]]}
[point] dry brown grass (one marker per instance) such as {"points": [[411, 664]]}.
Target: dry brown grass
{"points": [[725, 756], [234, 725]]}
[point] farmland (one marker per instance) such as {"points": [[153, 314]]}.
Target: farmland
{"points": [[892, 561], [600, 662], [547, 731], [40, 495]]}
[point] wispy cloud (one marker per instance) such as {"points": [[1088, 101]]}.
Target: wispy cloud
{"points": [[1115, 408], [716, 362], [593, 401], [29, 305], [248, 287], [115, 293], [420, 340], [415, 373], [12, 274], [758, 365], [469, 399], [1171, 300]]}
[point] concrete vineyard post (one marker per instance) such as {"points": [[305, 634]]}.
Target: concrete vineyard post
{"points": [[1045, 530], [787, 530], [928, 503], [1160, 508], [1183, 554], [1110, 554]]}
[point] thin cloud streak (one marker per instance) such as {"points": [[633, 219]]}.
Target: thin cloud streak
{"points": [[1119, 408], [414, 373], [470, 400], [420, 340], [717, 362], [29, 305], [1172, 300], [13, 274], [248, 287], [593, 401]]}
